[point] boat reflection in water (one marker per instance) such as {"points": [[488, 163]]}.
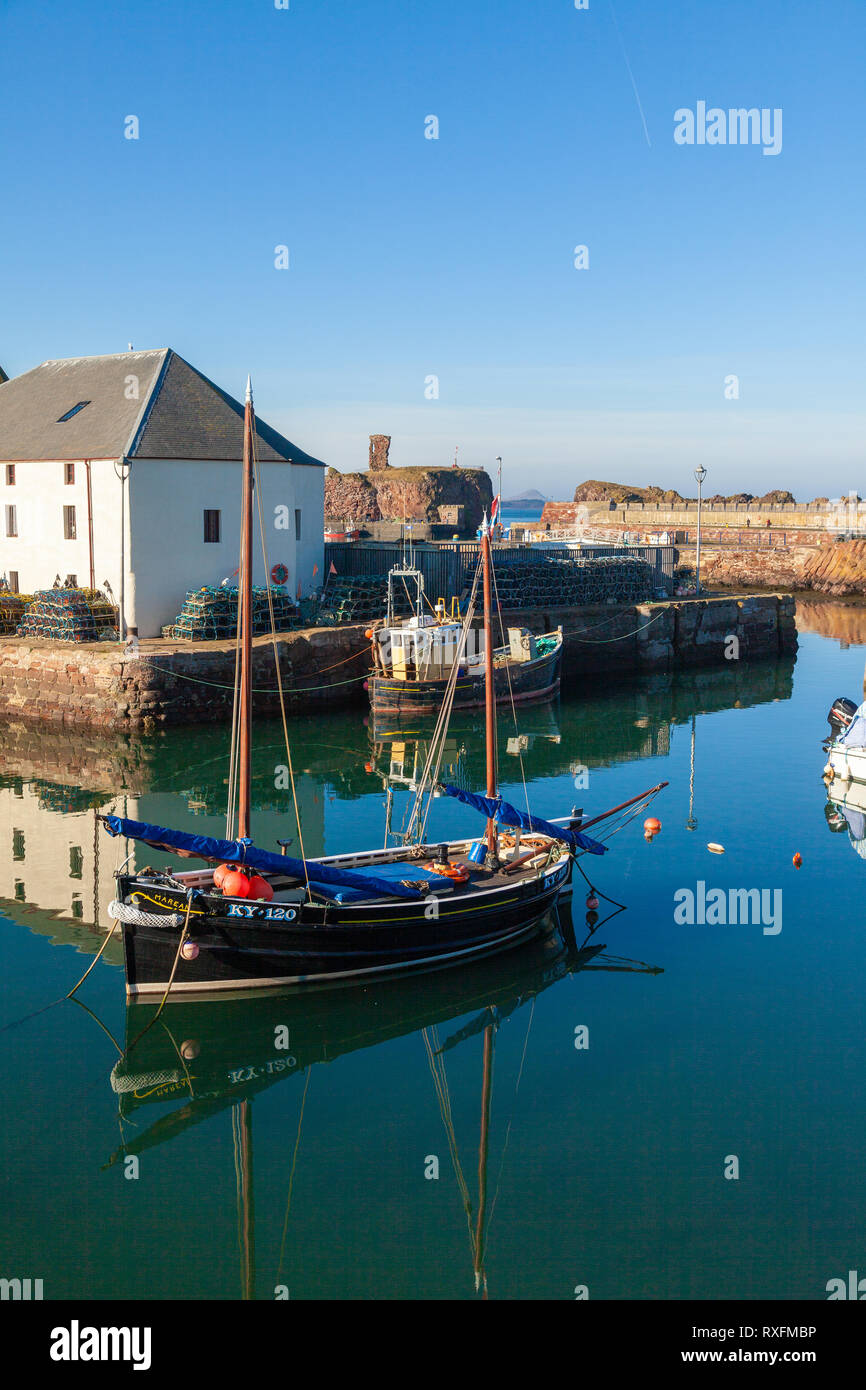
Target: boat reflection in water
{"points": [[845, 810], [211, 1056]]}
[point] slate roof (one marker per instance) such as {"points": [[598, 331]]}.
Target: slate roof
{"points": [[178, 413]]}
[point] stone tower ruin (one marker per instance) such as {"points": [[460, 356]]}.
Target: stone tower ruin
{"points": [[379, 446]]}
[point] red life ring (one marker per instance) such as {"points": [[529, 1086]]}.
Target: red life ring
{"points": [[279, 574], [458, 872]]}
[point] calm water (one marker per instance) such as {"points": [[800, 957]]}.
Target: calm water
{"points": [[604, 1165]]}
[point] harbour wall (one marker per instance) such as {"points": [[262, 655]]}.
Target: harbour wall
{"points": [[97, 685], [816, 517]]}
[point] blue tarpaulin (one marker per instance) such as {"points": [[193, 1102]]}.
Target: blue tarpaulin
{"points": [[245, 852], [507, 814]]}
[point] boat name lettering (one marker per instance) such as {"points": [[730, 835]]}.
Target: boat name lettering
{"points": [[269, 914], [161, 899], [269, 1069], [555, 877]]}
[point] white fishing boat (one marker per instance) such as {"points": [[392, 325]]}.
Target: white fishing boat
{"points": [[846, 745]]}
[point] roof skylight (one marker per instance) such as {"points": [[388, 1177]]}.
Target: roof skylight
{"points": [[74, 411]]}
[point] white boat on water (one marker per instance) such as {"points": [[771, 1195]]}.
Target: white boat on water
{"points": [[846, 745]]}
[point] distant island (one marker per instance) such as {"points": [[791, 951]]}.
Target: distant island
{"points": [[532, 495]]}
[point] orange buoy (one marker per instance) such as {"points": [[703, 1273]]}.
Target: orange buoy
{"points": [[652, 825], [798, 859], [260, 888], [369, 634], [236, 885], [219, 874], [368, 767]]}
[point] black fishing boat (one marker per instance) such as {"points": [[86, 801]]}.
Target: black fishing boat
{"points": [[263, 919], [181, 1068]]}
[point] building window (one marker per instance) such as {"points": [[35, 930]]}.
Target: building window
{"points": [[76, 861], [69, 523], [20, 895], [74, 411], [18, 844], [11, 521], [211, 525], [77, 906], [297, 523], [68, 473], [13, 581], [10, 475]]}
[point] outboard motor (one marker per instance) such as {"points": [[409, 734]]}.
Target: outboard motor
{"points": [[841, 713]]}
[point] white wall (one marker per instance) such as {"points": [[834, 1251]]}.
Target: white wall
{"points": [[40, 551], [162, 516], [169, 554]]}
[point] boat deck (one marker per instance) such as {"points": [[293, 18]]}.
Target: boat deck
{"points": [[288, 888]]}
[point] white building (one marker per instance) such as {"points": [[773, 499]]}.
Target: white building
{"points": [[126, 469]]}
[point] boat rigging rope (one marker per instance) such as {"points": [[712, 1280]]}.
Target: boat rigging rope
{"points": [[276, 650], [436, 749], [235, 734], [443, 1096], [510, 1119], [292, 1177], [180, 945], [511, 692], [108, 937]]}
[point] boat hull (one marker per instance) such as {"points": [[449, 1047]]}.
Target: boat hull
{"points": [[243, 946], [848, 764], [529, 680]]}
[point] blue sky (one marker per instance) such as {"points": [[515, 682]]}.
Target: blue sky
{"points": [[453, 257]]}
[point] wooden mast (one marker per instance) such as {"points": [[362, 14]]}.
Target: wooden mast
{"points": [[245, 599], [483, 1145], [246, 1216], [489, 689]]}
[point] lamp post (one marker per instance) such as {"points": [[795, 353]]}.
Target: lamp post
{"points": [[700, 474]]}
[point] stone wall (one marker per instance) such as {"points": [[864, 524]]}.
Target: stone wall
{"points": [[64, 685], [61, 683], [668, 635], [646, 516]]}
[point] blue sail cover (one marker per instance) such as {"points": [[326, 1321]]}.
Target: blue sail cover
{"points": [[507, 814], [245, 852]]}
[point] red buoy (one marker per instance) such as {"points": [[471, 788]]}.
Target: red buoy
{"points": [[219, 874], [236, 885], [260, 888], [591, 902], [652, 825]]}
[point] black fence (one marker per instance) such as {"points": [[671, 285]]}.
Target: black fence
{"points": [[449, 568]]}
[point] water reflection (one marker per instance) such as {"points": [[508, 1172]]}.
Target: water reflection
{"points": [[193, 1061], [844, 621], [845, 812], [56, 868]]}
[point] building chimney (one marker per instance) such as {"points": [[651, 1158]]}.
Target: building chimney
{"points": [[379, 446]]}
